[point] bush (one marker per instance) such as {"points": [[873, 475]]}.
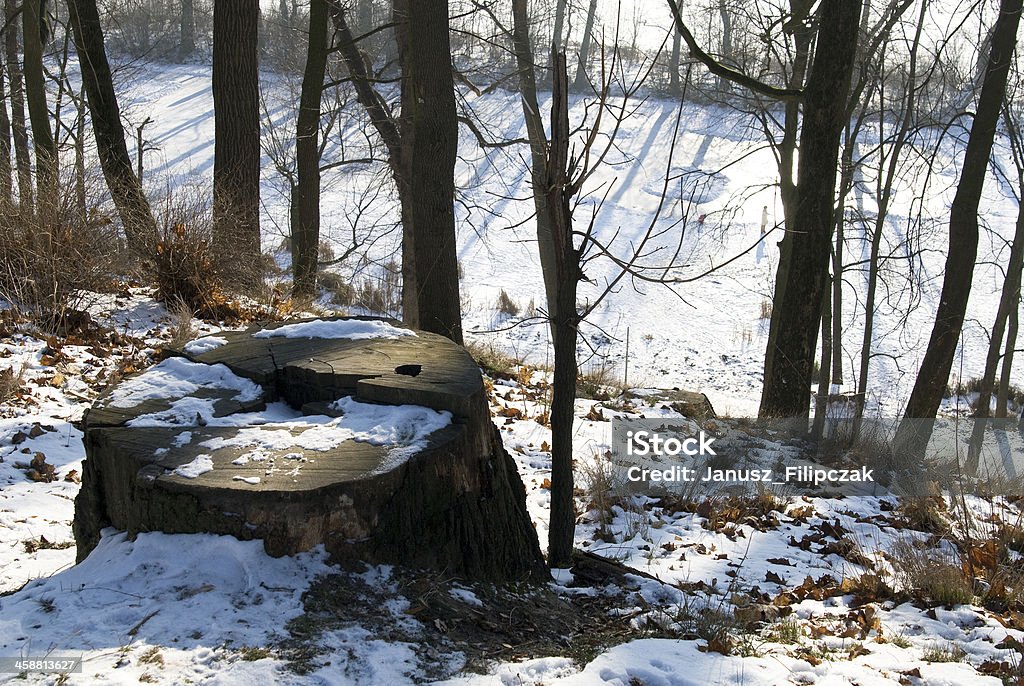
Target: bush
{"points": [[51, 262], [930, 574], [381, 295], [506, 305], [183, 263]]}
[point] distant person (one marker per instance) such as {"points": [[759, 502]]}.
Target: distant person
{"points": [[764, 220]]}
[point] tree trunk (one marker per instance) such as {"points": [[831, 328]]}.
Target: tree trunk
{"points": [[5, 148], [538, 156], [824, 375], [673, 64], [1009, 300], [579, 84], [845, 185], [81, 199], [236, 161], [187, 44], [802, 38], [429, 132], [556, 34], [797, 304], [724, 85], [562, 524], [23, 160], [39, 113], [1002, 399], [306, 233], [125, 187], [963, 238]]}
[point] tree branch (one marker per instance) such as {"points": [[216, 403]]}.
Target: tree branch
{"points": [[719, 69]]}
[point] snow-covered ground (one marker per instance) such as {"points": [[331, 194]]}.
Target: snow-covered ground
{"points": [[721, 577]]}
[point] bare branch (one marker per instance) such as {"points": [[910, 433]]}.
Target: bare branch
{"points": [[719, 69]]}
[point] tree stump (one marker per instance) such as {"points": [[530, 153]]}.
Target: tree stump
{"points": [[378, 446]]}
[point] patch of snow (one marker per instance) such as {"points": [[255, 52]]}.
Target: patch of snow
{"points": [[466, 596], [403, 429], [177, 377], [204, 345], [200, 465], [247, 479], [354, 329]]}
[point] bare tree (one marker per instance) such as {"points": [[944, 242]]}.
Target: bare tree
{"points": [[421, 145], [35, 33], [125, 187], [306, 232], [963, 238], [1009, 303], [5, 145], [19, 130]]}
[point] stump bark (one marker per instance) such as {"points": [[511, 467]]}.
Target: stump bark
{"points": [[453, 501]]}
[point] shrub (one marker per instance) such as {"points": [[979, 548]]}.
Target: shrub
{"points": [[930, 575], [183, 261], [52, 261], [492, 359], [11, 381], [506, 305]]}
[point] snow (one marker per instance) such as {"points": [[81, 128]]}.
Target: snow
{"points": [[193, 600], [252, 480], [177, 377], [191, 470], [403, 429], [205, 345], [354, 329]]}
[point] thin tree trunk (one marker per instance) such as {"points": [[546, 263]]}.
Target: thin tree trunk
{"points": [[125, 187], [845, 186], [562, 525], [538, 156], [39, 113], [1002, 399], [580, 82], [5, 148], [306, 232], [236, 158], [796, 308], [673, 64], [19, 130], [1008, 302], [556, 34], [724, 85], [187, 44], [824, 375], [80, 191], [963, 240]]}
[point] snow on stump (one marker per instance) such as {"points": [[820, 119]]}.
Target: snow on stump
{"points": [[355, 433]]}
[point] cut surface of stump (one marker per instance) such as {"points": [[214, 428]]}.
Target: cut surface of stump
{"points": [[357, 434]]}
